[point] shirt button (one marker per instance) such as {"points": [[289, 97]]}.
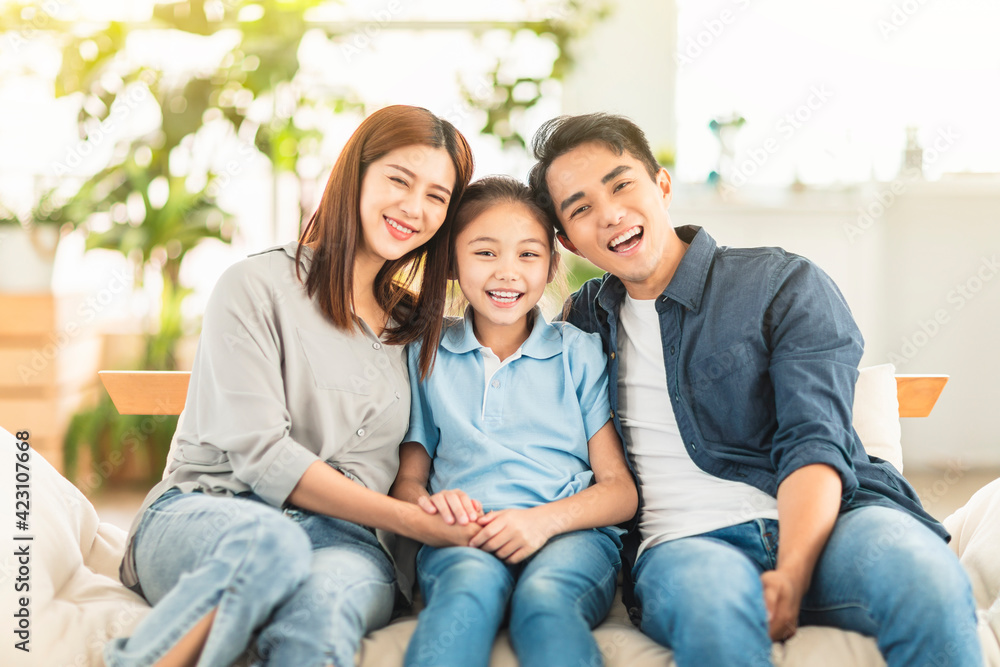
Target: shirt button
{"points": [[612, 414], [377, 346], [677, 397], [397, 394], [672, 350], [361, 433], [694, 447], [495, 383], [612, 355]]}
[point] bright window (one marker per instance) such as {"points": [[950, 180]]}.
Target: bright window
{"points": [[828, 91]]}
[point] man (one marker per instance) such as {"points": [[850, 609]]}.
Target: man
{"points": [[732, 382]]}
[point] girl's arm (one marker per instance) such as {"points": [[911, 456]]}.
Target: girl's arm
{"points": [[513, 535], [411, 486], [324, 490]]}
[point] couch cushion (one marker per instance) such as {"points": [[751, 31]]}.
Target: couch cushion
{"points": [[876, 413], [975, 531], [77, 602]]}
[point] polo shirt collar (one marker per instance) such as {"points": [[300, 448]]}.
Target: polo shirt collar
{"points": [[688, 284], [543, 342]]}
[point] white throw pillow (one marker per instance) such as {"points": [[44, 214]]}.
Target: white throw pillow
{"points": [[77, 602], [876, 413]]}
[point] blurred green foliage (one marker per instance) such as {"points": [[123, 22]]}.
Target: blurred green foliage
{"points": [[168, 214]]}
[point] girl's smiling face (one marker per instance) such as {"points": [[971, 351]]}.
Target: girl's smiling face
{"points": [[503, 261]]}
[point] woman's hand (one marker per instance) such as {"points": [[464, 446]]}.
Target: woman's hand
{"points": [[513, 535], [433, 531], [453, 505]]}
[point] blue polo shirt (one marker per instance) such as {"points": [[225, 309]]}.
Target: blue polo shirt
{"points": [[519, 440]]}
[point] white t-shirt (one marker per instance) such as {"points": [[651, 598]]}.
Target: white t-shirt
{"points": [[679, 498]]}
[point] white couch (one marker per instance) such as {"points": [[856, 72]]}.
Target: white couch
{"points": [[77, 602]]}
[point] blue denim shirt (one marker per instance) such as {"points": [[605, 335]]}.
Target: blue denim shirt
{"points": [[761, 354]]}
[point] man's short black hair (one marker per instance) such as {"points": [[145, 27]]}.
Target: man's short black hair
{"points": [[561, 135]]}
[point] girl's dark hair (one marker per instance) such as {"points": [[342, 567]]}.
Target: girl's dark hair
{"points": [[334, 231], [560, 135]]}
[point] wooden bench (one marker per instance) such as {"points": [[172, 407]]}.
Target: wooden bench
{"points": [[164, 392]]}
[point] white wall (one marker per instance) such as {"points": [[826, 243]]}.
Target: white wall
{"points": [[626, 65], [899, 270]]}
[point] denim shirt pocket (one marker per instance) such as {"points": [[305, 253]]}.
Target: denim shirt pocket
{"points": [[725, 390]]}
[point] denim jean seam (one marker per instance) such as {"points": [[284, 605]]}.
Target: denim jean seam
{"points": [[235, 581], [836, 606], [772, 555], [594, 589], [612, 573], [200, 611]]}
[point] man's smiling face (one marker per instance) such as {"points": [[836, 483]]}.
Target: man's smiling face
{"points": [[615, 215]]}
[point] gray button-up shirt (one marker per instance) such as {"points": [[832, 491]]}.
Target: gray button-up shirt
{"points": [[276, 386]]}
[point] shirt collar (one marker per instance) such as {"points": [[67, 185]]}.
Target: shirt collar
{"points": [[290, 249], [543, 342], [688, 284]]}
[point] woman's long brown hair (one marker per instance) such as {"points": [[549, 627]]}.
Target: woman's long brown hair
{"points": [[334, 232]]}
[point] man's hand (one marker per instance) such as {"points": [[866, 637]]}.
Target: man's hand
{"points": [[512, 535], [782, 597], [453, 505]]}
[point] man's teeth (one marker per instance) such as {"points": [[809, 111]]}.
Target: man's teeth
{"points": [[621, 238], [396, 225], [505, 297]]}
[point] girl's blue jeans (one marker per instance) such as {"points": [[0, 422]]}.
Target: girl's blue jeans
{"points": [[555, 598], [303, 587], [881, 574]]}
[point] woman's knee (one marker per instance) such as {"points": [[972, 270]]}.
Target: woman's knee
{"points": [[268, 550]]}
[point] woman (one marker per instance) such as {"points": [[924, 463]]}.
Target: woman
{"points": [[299, 396]]}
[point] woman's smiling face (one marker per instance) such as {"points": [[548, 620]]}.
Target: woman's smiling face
{"points": [[404, 200]]}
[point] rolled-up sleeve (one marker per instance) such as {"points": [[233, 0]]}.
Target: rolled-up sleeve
{"points": [[816, 347], [239, 390]]}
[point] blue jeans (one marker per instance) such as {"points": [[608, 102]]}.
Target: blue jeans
{"points": [[882, 574], [307, 585], [556, 597]]}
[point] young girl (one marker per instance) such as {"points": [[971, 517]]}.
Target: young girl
{"points": [[278, 472], [514, 421]]}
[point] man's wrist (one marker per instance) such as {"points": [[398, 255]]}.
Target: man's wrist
{"points": [[799, 575]]}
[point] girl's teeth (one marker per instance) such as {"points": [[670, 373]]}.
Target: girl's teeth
{"points": [[505, 297]]}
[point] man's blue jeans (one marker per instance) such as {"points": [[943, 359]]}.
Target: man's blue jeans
{"points": [[562, 592], [882, 574], [308, 585]]}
